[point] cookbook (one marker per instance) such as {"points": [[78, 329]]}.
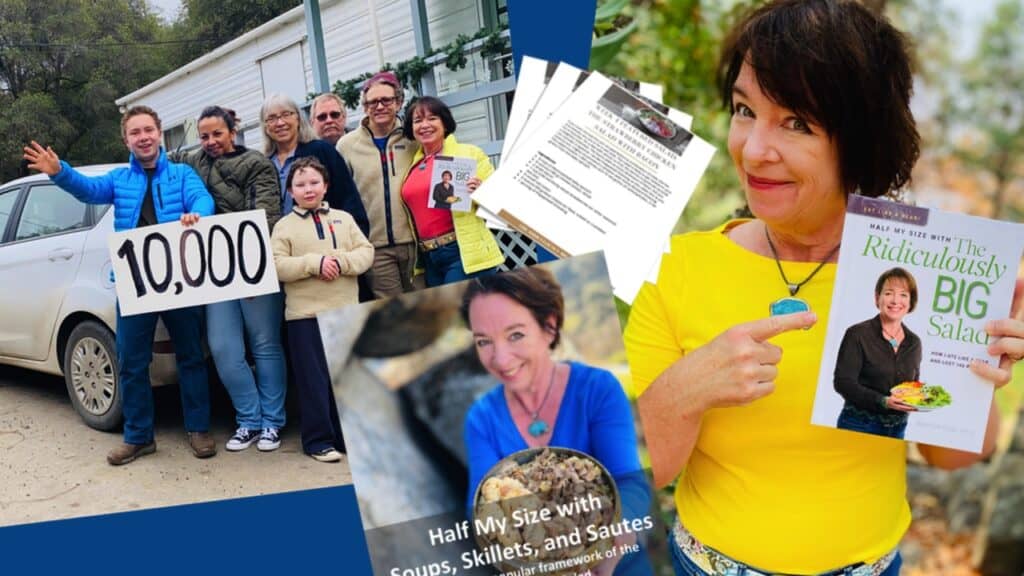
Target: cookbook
{"points": [[448, 183], [914, 290]]}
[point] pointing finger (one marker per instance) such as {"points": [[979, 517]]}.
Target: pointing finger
{"points": [[765, 328]]}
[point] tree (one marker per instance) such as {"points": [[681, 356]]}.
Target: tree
{"points": [[991, 105], [211, 23], [62, 64]]}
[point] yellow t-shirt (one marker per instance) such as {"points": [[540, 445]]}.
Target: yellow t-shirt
{"points": [[763, 485]]}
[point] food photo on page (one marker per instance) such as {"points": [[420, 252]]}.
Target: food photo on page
{"points": [[490, 428]]}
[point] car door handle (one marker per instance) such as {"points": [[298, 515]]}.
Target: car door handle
{"points": [[60, 254]]}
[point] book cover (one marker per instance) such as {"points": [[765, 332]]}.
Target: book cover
{"points": [[914, 289], [448, 183]]}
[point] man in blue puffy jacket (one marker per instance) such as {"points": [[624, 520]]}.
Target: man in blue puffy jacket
{"points": [[151, 190]]}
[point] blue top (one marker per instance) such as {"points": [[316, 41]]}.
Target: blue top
{"points": [[341, 188], [176, 189], [594, 418], [282, 174]]}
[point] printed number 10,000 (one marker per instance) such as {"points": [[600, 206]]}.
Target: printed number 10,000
{"points": [[197, 273]]}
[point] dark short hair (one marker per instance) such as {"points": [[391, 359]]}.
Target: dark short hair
{"points": [[138, 111], [534, 288], [845, 68], [302, 164], [898, 274], [448, 172], [433, 105], [217, 112]]}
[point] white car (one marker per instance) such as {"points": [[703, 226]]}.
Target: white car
{"points": [[57, 299]]}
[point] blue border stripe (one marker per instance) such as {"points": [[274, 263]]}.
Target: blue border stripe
{"points": [[289, 533], [552, 30]]}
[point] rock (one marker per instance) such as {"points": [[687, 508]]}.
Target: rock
{"points": [[409, 322], [441, 398], [966, 499], [1017, 444], [396, 479], [1004, 548], [958, 495]]}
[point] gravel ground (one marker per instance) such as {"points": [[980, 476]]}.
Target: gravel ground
{"points": [[54, 466]]}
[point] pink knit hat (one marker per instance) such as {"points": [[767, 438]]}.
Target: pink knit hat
{"points": [[385, 77]]}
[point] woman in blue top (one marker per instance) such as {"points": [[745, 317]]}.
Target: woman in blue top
{"points": [[516, 318]]}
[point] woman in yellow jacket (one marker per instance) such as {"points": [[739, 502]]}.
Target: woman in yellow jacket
{"points": [[452, 245]]}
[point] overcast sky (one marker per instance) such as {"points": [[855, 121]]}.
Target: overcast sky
{"points": [[167, 8]]}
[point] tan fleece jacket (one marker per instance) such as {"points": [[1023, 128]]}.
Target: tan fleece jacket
{"points": [[300, 246], [388, 221]]}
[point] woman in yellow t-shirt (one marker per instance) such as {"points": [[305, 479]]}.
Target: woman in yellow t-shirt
{"points": [[819, 92]]}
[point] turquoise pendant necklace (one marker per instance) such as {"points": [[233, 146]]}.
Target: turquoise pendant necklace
{"points": [[891, 339], [792, 304], [538, 427]]}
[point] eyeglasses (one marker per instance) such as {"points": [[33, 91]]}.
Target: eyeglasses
{"points": [[322, 117], [386, 102], [275, 118]]}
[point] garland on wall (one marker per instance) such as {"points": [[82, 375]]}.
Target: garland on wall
{"points": [[410, 71]]}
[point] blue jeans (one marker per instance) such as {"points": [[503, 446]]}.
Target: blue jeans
{"points": [[134, 353], [444, 266], [683, 566], [853, 418], [259, 400]]}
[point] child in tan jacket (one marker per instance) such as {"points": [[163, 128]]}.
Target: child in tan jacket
{"points": [[318, 252]]}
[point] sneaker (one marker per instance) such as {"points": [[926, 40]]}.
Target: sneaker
{"points": [[243, 438], [202, 444], [270, 439], [327, 455], [125, 453]]}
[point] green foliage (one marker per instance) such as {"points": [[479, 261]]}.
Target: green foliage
{"points": [[21, 121], [992, 104], [494, 45], [62, 64], [349, 90], [612, 27], [211, 23], [410, 71], [455, 53]]}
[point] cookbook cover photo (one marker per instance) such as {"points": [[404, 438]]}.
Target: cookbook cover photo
{"points": [[914, 289]]}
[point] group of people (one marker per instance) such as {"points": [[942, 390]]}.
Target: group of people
{"points": [[349, 222]]}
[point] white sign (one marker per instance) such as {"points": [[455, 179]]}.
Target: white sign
{"points": [[169, 266]]}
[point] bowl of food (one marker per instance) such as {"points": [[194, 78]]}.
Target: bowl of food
{"points": [[656, 124], [921, 396], [547, 501]]}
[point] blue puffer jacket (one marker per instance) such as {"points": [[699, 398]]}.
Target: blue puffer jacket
{"points": [[176, 189]]}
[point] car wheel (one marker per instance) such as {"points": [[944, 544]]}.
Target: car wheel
{"points": [[90, 373]]}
